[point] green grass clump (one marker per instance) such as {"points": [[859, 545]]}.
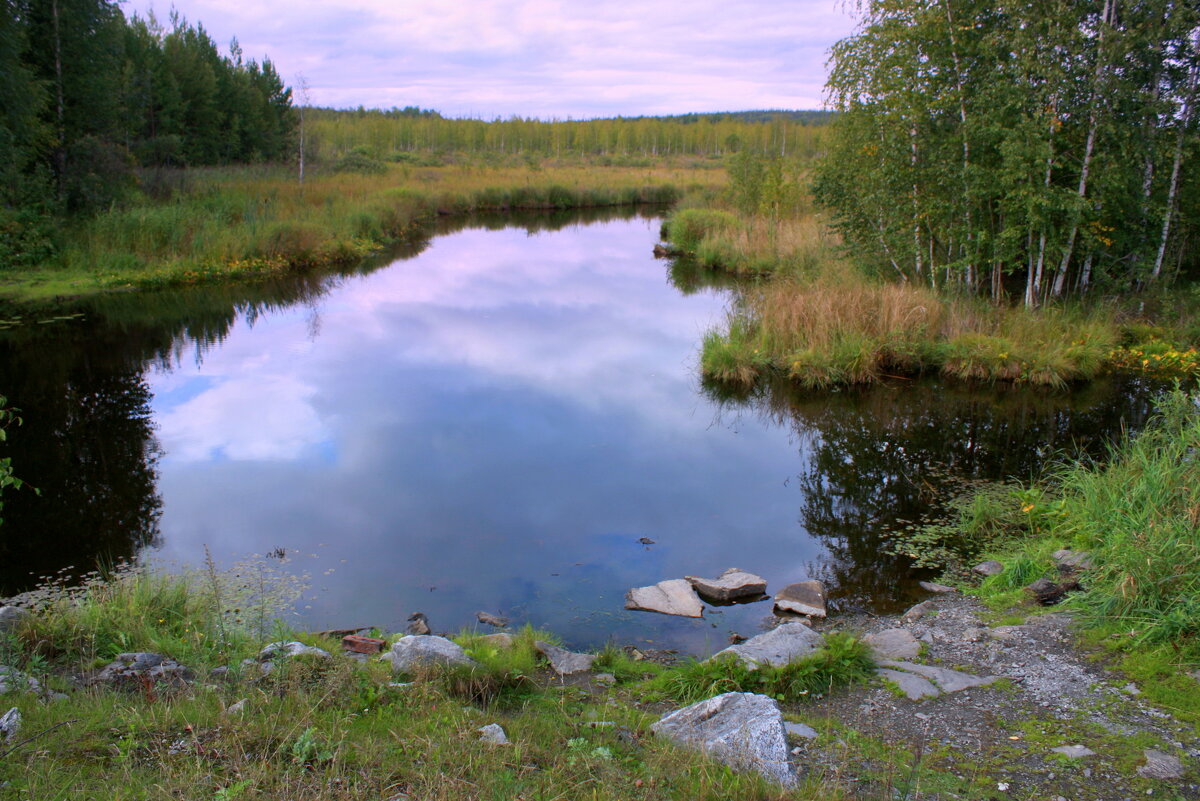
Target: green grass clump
{"points": [[842, 661], [688, 228]]}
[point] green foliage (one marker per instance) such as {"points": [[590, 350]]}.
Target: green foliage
{"points": [[686, 229], [842, 661], [359, 159]]}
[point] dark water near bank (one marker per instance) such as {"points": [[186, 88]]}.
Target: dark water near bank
{"points": [[489, 422]]}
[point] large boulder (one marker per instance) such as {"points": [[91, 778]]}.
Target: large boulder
{"points": [[424, 650], [733, 585], [742, 730], [802, 598], [776, 647], [671, 597]]}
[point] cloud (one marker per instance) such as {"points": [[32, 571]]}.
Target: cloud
{"points": [[545, 58]]}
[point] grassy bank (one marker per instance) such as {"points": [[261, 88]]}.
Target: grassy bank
{"points": [[223, 224], [317, 728], [812, 315], [1138, 516]]}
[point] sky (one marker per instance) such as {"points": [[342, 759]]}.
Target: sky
{"points": [[537, 58]]}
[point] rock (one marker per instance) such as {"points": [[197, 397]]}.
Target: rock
{"points": [[278, 650], [893, 644], [947, 680], [14, 681], [140, 667], [799, 730], [418, 624], [742, 730], [940, 589], [1074, 751], [363, 645], [10, 724], [917, 612], [1007, 633], [564, 662], [802, 598], [661, 251], [605, 679], [776, 647], [491, 620], [236, 708], [262, 668], [732, 585], [914, 687], [1047, 593], [221, 672], [11, 617], [500, 640], [990, 568], [973, 634], [424, 650], [493, 733], [1072, 560], [645, 541], [1160, 766], [671, 597]]}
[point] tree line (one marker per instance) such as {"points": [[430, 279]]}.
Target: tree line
{"points": [[1042, 147], [88, 95]]}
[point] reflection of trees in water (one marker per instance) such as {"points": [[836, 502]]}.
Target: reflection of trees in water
{"points": [[87, 443], [877, 456]]}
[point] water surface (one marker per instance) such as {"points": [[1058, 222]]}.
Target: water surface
{"points": [[490, 421]]}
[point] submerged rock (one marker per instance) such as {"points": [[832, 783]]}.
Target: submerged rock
{"points": [[776, 647], [564, 662], [492, 620], [424, 650], [893, 644], [671, 597], [732, 585], [802, 598], [742, 730]]}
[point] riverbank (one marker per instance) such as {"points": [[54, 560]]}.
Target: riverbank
{"points": [[247, 223], [811, 315]]}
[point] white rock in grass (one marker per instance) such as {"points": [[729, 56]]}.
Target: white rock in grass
{"points": [[742, 730], [776, 647], [280, 649], [424, 650], [493, 733], [564, 662], [10, 724]]}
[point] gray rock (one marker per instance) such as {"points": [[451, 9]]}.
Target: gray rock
{"points": [[237, 708], [947, 680], [491, 620], [671, 597], [424, 650], [493, 733], [14, 681], [10, 724], [914, 687], [1160, 766], [564, 662], [500, 640], [279, 650], [989, 568], [940, 589], [742, 730], [799, 730], [776, 647], [802, 598], [605, 679], [1074, 751], [254, 666], [893, 644], [1007, 633], [11, 617], [141, 666], [731, 585], [418, 624], [917, 612], [1078, 560]]}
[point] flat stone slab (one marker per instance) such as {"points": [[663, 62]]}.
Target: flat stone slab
{"points": [[670, 597], [1074, 751], [564, 662], [893, 644], [799, 730], [914, 687], [732, 585], [947, 680], [940, 589], [742, 730], [1160, 766], [425, 650], [776, 647], [802, 598]]}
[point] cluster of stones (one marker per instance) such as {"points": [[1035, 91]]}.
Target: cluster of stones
{"points": [[685, 597], [1044, 590]]}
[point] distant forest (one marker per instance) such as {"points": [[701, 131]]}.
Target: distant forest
{"points": [[87, 95]]}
